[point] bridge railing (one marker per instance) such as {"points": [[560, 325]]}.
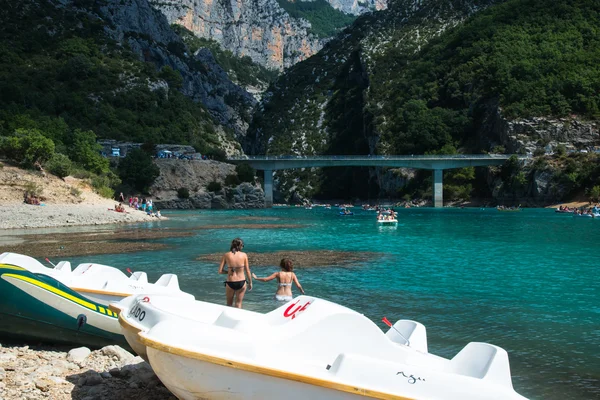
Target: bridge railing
{"points": [[378, 157]]}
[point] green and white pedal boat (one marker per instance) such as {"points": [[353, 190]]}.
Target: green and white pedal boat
{"points": [[61, 305]]}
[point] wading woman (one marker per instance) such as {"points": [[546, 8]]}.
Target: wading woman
{"points": [[237, 268], [285, 278]]}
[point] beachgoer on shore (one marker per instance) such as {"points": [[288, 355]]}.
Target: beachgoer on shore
{"points": [[238, 271], [285, 277]]}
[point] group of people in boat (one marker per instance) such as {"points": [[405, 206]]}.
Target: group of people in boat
{"points": [[239, 276], [587, 212], [386, 214], [566, 209]]}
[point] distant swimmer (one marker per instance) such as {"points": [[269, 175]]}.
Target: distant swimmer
{"points": [[285, 277], [237, 269]]}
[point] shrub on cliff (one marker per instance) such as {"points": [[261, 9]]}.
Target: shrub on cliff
{"points": [[245, 172], [214, 186], [138, 170], [60, 165], [232, 180], [216, 154], [183, 193]]}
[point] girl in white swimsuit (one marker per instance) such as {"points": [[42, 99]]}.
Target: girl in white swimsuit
{"points": [[285, 277]]}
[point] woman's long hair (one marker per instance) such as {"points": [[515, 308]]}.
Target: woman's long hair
{"points": [[286, 264], [236, 245]]}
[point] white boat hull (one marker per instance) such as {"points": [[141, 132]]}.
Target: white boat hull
{"points": [[197, 379], [306, 349]]}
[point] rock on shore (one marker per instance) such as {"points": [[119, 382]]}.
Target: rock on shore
{"points": [[110, 373], [195, 176]]}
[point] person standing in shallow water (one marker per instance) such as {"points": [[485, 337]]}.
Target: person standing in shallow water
{"points": [[285, 277], [237, 269]]}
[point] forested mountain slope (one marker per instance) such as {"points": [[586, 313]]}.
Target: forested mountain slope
{"points": [[115, 68], [431, 76]]}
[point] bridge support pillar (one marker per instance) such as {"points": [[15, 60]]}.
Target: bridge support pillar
{"points": [[438, 188], [268, 188]]}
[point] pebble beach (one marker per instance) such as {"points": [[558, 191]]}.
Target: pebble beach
{"points": [[25, 216], [111, 373], [65, 202]]}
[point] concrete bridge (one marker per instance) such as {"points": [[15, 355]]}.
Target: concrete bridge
{"points": [[438, 164]]}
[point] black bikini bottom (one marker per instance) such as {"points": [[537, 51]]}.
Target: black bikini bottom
{"points": [[236, 285]]}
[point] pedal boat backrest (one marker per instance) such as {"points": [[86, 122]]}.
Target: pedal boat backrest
{"points": [[169, 281], [63, 266], [413, 331], [483, 361], [139, 276]]}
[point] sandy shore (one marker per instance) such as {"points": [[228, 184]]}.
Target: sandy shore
{"points": [[15, 216], [67, 202]]}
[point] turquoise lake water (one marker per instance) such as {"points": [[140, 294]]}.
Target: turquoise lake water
{"points": [[525, 281]]}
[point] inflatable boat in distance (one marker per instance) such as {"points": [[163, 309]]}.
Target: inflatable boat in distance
{"points": [[308, 348]]}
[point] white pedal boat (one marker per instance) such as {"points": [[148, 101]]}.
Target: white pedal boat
{"points": [[100, 283], [308, 348], [387, 221], [71, 306]]}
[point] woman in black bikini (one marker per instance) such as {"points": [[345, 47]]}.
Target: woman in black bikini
{"points": [[237, 268]]}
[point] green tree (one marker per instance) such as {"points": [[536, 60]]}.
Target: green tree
{"points": [[60, 165], [85, 151], [138, 170], [27, 147], [171, 76], [595, 194]]}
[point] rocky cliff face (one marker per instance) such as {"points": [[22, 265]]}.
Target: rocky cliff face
{"points": [[356, 7], [195, 176], [322, 105], [148, 33], [525, 135], [260, 29], [342, 100]]}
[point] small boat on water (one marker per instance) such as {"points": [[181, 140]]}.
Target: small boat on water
{"points": [[346, 212], [565, 211], [308, 348], [69, 306], [387, 221], [509, 209]]}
